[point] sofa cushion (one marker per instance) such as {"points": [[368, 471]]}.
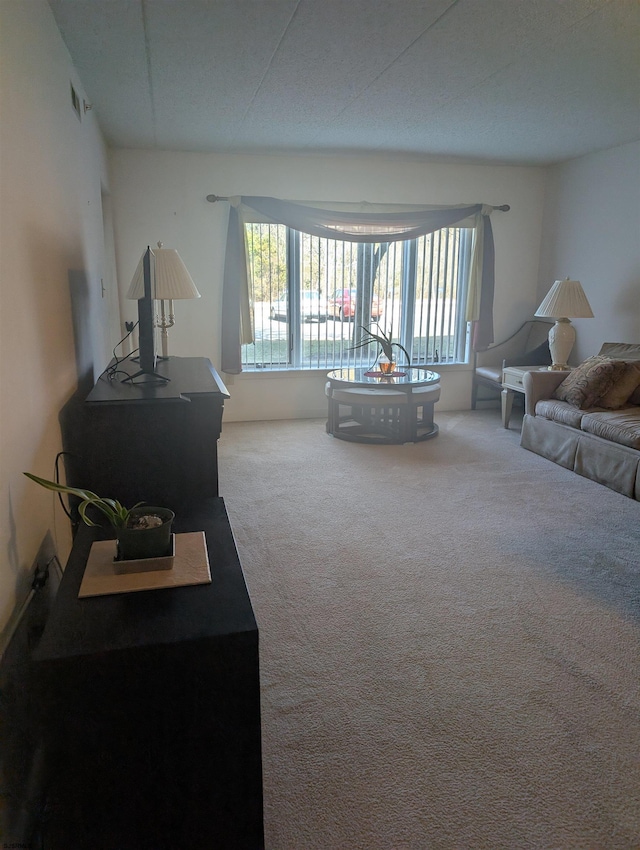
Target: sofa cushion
{"points": [[559, 411], [619, 393], [623, 351], [620, 426], [589, 381]]}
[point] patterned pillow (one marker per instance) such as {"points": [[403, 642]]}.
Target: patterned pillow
{"points": [[618, 395], [589, 381]]}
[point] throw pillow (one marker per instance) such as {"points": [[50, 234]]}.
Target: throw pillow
{"points": [[589, 381], [619, 393], [635, 396]]}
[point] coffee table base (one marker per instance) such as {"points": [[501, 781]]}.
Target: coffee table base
{"points": [[404, 423]]}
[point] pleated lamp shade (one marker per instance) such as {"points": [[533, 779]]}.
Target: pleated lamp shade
{"points": [[565, 300], [170, 279]]}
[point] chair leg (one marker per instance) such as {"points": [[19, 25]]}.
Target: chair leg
{"points": [[474, 393], [333, 416]]}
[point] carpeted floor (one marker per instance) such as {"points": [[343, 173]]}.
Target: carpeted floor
{"points": [[450, 636]]}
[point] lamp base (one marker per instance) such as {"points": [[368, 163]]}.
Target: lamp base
{"points": [[561, 338]]}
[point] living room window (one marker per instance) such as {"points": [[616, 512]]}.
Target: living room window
{"points": [[301, 278], [310, 295]]}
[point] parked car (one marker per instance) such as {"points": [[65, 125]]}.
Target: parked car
{"points": [[313, 308], [342, 305]]}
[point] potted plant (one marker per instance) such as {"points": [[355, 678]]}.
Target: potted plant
{"points": [[385, 358], [141, 531]]}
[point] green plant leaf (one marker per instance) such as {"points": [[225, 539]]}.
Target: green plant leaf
{"points": [[82, 510], [86, 495], [112, 509], [384, 341], [404, 350]]}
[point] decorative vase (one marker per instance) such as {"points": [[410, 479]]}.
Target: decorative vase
{"points": [[386, 366], [153, 542]]}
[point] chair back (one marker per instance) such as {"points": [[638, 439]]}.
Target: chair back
{"points": [[538, 333]]}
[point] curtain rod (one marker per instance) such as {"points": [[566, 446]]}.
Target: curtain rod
{"points": [[213, 198]]}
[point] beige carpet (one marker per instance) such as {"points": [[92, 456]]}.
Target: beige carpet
{"points": [[450, 640]]}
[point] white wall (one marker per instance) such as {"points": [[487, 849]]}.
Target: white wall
{"points": [[592, 234], [54, 322], [161, 196]]}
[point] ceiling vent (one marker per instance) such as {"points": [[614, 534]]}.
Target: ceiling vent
{"points": [[75, 102]]}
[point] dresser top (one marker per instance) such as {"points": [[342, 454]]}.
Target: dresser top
{"points": [[123, 622], [188, 376]]}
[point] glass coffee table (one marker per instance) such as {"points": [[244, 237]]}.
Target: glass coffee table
{"points": [[367, 406]]}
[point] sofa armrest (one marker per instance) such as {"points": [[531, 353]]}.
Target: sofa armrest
{"points": [[538, 385]]}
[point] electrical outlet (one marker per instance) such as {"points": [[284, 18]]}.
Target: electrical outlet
{"points": [[46, 556], [25, 626], [45, 579]]}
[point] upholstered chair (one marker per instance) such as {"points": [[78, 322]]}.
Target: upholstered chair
{"points": [[528, 346]]}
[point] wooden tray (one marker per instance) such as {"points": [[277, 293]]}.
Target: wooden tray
{"points": [[190, 566]]}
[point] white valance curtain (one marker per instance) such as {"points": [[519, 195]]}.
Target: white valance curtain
{"points": [[369, 223]]}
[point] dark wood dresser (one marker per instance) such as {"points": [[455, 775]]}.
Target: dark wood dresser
{"points": [[149, 701], [148, 441]]}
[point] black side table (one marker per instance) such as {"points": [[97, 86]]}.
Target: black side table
{"points": [[150, 708]]}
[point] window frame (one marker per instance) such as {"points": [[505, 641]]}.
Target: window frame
{"points": [[295, 358]]}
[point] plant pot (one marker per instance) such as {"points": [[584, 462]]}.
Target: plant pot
{"points": [[386, 366], [136, 543]]}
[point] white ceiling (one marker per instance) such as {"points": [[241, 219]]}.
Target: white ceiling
{"points": [[513, 81]]}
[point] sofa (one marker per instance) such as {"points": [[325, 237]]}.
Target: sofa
{"points": [[588, 419]]}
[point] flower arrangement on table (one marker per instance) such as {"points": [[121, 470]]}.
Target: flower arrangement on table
{"points": [[385, 350]]}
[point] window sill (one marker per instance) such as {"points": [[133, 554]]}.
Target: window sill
{"points": [[287, 373]]}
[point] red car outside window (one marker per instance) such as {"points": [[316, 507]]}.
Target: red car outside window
{"points": [[342, 305]]}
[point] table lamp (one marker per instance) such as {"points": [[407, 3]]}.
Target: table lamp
{"points": [[565, 300], [170, 281]]}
